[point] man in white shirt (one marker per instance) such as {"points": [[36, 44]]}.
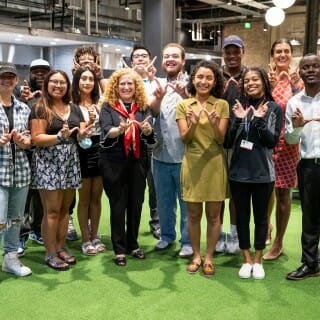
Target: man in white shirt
{"points": [[303, 125]]}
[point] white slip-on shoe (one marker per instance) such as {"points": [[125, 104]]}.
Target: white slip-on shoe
{"points": [[245, 271], [258, 271]]}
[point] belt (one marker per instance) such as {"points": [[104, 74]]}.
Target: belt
{"points": [[311, 161]]}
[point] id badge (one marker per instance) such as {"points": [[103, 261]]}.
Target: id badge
{"points": [[245, 144]]}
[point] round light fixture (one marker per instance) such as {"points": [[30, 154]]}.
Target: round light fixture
{"points": [[283, 4], [274, 16]]}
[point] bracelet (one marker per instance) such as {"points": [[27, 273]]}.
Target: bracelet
{"points": [[60, 137]]}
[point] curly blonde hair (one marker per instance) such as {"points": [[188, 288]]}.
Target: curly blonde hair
{"points": [[111, 93]]}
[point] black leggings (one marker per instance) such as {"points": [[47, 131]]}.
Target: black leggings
{"points": [[259, 194]]}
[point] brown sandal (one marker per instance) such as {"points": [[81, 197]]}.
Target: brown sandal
{"points": [[208, 269], [193, 267]]}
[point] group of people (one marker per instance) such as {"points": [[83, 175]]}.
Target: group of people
{"points": [[230, 132]]}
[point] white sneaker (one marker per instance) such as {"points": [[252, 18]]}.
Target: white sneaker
{"points": [[221, 243], [12, 264], [186, 251], [232, 244], [162, 244], [245, 271], [258, 271]]}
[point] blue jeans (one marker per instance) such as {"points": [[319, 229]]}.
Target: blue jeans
{"points": [[167, 183], [12, 204]]}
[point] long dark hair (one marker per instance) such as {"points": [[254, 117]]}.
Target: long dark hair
{"points": [[76, 94], [45, 103], [244, 98], [217, 90]]}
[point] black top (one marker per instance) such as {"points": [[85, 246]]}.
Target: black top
{"points": [[113, 148], [56, 125], [256, 165]]}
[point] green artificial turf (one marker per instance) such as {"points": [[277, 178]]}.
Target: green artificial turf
{"points": [[158, 287]]}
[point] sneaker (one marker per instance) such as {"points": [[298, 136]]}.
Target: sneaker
{"points": [[221, 243], [72, 233], [162, 244], [12, 264], [36, 236], [186, 251], [232, 244], [258, 271], [245, 271], [155, 230], [21, 248]]}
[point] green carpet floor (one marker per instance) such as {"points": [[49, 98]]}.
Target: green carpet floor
{"points": [[159, 287]]}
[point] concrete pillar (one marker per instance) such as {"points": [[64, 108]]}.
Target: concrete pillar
{"points": [[158, 26]]}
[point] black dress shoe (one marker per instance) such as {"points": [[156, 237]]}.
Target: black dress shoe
{"points": [[303, 272]]}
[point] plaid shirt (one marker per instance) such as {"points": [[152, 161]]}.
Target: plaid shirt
{"points": [[14, 173]]}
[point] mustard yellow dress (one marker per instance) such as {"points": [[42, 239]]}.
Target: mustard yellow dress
{"points": [[204, 167]]}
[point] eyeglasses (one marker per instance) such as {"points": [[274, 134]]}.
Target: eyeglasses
{"points": [[58, 82], [143, 55]]}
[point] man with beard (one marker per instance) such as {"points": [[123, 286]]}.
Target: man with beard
{"points": [[167, 155]]}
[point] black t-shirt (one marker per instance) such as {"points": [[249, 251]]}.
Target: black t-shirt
{"points": [[56, 125]]}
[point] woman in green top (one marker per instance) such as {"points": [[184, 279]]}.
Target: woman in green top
{"points": [[202, 121]]}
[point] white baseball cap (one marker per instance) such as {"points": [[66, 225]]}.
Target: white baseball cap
{"points": [[40, 63]]}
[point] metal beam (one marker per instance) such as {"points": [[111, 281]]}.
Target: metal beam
{"points": [[312, 22]]}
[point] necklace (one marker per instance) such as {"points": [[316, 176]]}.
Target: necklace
{"points": [[62, 112]]}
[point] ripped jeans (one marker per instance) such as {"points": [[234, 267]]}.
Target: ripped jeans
{"points": [[12, 205]]}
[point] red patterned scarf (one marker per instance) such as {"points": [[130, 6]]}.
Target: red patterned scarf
{"points": [[132, 134]]}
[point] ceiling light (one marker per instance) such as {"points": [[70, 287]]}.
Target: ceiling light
{"points": [[274, 16], [295, 42], [229, 3], [283, 4], [126, 6], [318, 42]]}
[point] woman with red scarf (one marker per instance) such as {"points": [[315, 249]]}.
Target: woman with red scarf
{"points": [[126, 131]]}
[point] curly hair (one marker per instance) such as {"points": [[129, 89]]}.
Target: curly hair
{"points": [[76, 94], [45, 104], [85, 50], [111, 93], [262, 74], [217, 90]]}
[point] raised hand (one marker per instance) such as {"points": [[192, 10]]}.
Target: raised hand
{"points": [[228, 83], [92, 114], [123, 126], [298, 119], [294, 77], [272, 76], [213, 116], [261, 111], [193, 116], [160, 90], [239, 111], [151, 70], [5, 137], [145, 126]]}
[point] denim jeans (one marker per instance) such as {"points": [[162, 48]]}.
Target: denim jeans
{"points": [[12, 205], [167, 182]]}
